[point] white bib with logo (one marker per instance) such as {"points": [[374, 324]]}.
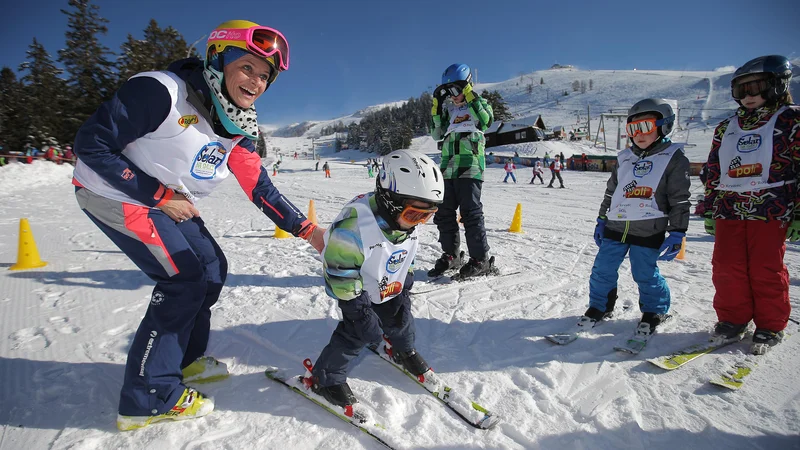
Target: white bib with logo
{"points": [[385, 264], [637, 181], [745, 157], [183, 153], [461, 120]]}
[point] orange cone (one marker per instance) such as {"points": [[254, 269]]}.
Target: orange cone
{"points": [[516, 222], [682, 253], [312, 212], [27, 254]]}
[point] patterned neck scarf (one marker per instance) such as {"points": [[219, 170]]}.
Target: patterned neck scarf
{"points": [[754, 118], [237, 121]]}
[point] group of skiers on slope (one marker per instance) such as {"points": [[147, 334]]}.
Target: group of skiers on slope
{"points": [[556, 166], [167, 139]]}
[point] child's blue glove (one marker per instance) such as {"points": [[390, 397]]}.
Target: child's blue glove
{"points": [[598, 230], [672, 245]]}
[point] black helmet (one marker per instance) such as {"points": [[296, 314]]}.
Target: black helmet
{"points": [[777, 66]]}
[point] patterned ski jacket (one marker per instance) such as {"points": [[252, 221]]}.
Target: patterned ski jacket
{"points": [[775, 203], [463, 153]]}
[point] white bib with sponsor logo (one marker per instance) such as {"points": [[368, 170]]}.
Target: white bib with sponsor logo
{"points": [[637, 181], [385, 264], [745, 157], [461, 120], [183, 153]]}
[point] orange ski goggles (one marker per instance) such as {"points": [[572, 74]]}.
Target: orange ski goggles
{"points": [[416, 215]]}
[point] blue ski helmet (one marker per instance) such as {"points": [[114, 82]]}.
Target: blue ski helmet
{"points": [[457, 72]]}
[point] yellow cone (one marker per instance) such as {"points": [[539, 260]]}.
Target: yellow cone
{"points": [[516, 223], [312, 212], [682, 253], [27, 254], [280, 234]]}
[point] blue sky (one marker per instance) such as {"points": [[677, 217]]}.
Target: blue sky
{"points": [[348, 54]]}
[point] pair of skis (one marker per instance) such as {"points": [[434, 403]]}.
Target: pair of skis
{"points": [[367, 420], [733, 378], [633, 345]]}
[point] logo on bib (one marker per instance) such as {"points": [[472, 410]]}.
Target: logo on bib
{"points": [[642, 168], [207, 160], [396, 261], [187, 120], [738, 170], [460, 119], [748, 143], [393, 289], [633, 190]]}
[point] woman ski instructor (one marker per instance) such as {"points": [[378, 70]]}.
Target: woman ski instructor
{"points": [[145, 158]]}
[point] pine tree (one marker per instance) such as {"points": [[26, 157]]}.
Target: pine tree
{"points": [[156, 51], [499, 106], [13, 112], [576, 86], [90, 73], [45, 97], [541, 80], [591, 84], [583, 87]]}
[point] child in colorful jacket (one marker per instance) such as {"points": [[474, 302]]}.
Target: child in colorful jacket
{"points": [[368, 267], [460, 123], [751, 202]]}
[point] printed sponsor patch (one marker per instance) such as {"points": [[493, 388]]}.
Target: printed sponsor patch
{"points": [[640, 192], [157, 299], [186, 121], [642, 168], [460, 119], [748, 143], [207, 160], [396, 261]]}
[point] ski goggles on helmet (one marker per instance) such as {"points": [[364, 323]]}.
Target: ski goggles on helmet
{"points": [[752, 88], [416, 215], [265, 42], [644, 126]]}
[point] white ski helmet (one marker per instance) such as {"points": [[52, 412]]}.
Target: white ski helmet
{"points": [[407, 175]]}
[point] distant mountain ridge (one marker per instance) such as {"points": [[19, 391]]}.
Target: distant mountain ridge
{"points": [[703, 96]]}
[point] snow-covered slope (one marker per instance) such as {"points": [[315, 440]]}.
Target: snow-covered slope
{"points": [[65, 330], [703, 99]]}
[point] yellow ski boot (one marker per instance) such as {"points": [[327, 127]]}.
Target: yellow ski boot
{"points": [[191, 405], [205, 369]]}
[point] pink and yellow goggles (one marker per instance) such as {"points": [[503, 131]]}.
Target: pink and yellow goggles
{"points": [[265, 42], [644, 126]]}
